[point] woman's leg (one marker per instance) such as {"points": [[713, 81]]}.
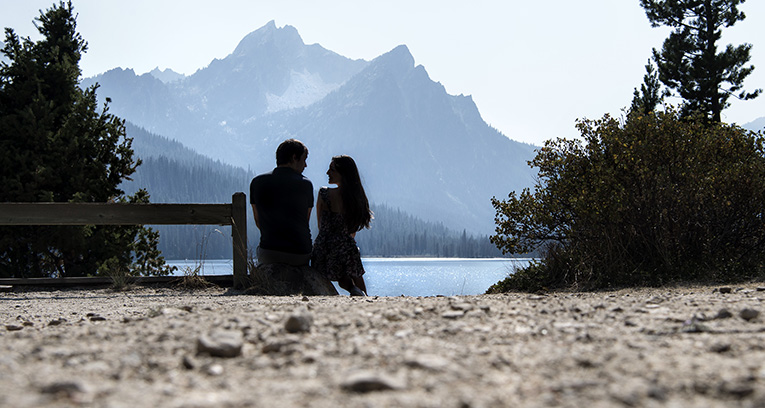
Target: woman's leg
{"points": [[346, 283], [353, 285], [359, 281]]}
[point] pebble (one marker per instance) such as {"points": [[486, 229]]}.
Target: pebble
{"points": [[68, 388], [749, 314], [462, 306], [724, 314], [363, 382], [299, 323], [720, 347], [214, 370], [725, 289], [189, 363], [737, 390], [13, 327], [428, 362], [221, 343], [277, 346], [453, 314]]}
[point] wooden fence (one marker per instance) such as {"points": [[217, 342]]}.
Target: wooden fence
{"points": [[233, 214]]}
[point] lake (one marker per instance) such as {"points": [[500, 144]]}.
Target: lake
{"points": [[410, 276]]}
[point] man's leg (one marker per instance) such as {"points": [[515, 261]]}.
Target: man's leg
{"points": [[268, 256]]}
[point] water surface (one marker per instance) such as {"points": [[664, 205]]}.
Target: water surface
{"points": [[409, 276]]}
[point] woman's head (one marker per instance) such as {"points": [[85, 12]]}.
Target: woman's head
{"points": [[355, 204], [343, 170]]}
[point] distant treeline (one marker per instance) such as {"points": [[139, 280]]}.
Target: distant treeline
{"points": [[172, 173], [396, 233]]}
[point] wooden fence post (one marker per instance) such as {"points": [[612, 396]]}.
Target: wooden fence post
{"points": [[239, 235]]}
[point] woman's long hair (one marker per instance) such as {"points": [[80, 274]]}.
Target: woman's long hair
{"points": [[356, 210]]}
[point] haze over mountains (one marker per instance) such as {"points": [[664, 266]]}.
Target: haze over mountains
{"points": [[419, 149]]}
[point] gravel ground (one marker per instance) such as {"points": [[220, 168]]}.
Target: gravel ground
{"points": [[685, 346]]}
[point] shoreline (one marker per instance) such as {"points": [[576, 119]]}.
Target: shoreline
{"points": [[151, 346]]}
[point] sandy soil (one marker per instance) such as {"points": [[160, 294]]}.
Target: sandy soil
{"points": [[695, 347]]}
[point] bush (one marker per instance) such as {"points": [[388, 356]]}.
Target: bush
{"points": [[646, 201]]}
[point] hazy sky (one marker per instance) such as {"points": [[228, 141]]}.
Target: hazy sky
{"points": [[532, 67]]}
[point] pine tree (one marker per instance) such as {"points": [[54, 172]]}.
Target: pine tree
{"points": [[58, 146], [650, 95], [689, 62]]}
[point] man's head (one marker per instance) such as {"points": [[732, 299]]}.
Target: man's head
{"points": [[292, 153]]}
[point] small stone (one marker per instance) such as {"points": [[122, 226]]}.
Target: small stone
{"points": [[56, 322], [725, 289], [720, 347], [693, 326], [749, 314], [363, 382], [299, 323], [188, 362], [221, 343], [428, 362], [68, 388], [214, 370], [462, 306], [96, 318], [739, 390], [277, 346], [657, 393], [724, 314], [305, 299], [13, 327], [27, 323], [393, 316], [453, 314], [536, 297]]}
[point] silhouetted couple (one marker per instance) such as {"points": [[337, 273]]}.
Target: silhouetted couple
{"points": [[282, 201]]}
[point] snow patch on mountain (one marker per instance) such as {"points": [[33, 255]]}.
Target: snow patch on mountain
{"points": [[304, 89]]}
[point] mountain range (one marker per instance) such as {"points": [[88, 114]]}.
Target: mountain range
{"points": [[419, 149], [756, 125]]}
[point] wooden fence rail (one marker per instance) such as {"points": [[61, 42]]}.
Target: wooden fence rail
{"points": [[233, 214]]}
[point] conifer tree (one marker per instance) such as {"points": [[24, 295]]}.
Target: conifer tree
{"points": [[689, 62], [58, 146], [650, 95]]}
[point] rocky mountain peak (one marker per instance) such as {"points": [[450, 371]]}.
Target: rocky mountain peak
{"points": [[270, 36]]}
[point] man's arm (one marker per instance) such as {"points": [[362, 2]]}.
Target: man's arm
{"points": [[255, 214]]}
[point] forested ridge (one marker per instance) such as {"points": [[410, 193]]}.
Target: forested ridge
{"points": [[173, 173]]}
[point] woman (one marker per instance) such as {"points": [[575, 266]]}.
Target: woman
{"points": [[341, 212]]}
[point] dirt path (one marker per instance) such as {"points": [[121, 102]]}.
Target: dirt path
{"points": [[700, 346]]}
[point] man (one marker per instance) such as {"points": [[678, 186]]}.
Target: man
{"points": [[282, 201]]}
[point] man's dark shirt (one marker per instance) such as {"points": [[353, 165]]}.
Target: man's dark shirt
{"points": [[283, 198]]}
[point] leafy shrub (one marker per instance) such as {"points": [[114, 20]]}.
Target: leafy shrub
{"points": [[646, 201]]}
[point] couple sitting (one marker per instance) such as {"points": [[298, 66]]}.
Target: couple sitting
{"points": [[282, 201]]}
